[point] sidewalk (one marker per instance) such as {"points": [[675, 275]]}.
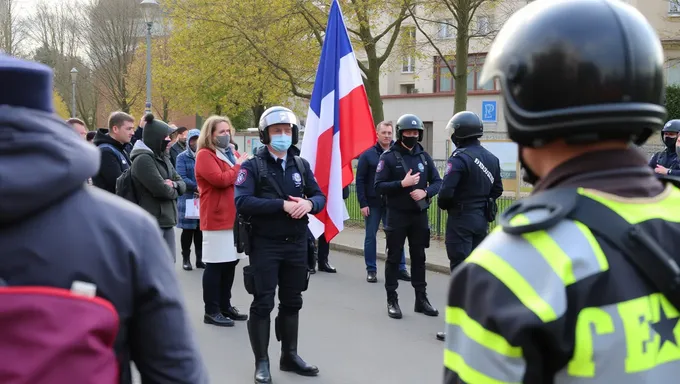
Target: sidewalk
{"points": [[351, 240]]}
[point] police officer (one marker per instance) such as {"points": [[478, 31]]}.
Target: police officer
{"points": [[408, 179], [276, 190], [578, 284], [666, 161], [472, 183]]}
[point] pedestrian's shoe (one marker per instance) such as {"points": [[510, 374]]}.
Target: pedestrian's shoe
{"points": [[423, 305], [441, 336], [393, 309], [186, 260], [403, 275], [311, 270], [258, 330], [325, 267], [372, 277], [234, 314], [199, 258], [287, 332], [218, 319]]}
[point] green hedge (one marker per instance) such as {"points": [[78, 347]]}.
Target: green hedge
{"points": [[673, 101], [437, 216]]}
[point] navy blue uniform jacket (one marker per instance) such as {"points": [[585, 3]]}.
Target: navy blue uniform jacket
{"points": [[264, 205], [365, 183], [390, 173], [473, 174]]}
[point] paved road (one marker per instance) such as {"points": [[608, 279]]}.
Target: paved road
{"points": [[345, 331]]}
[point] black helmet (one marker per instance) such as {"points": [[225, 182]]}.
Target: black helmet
{"points": [[277, 115], [465, 125], [580, 70], [409, 122]]}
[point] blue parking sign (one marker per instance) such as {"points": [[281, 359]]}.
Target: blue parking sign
{"points": [[489, 111]]}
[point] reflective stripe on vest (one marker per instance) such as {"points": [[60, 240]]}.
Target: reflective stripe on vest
{"points": [[622, 343]]}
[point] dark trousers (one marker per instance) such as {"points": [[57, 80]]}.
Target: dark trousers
{"points": [[376, 213], [400, 226], [465, 230], [187, 237], [218, 278], [281, 263], [324, 249]]}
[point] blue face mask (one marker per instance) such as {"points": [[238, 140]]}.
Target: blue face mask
{"points": [[281, 143]]}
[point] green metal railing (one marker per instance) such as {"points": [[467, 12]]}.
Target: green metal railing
{"points": [[436, 215]]}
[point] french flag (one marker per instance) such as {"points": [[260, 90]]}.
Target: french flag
{"points": [[339, 124]]}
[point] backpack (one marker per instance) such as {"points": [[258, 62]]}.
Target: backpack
{"points": [[57, 336], [125, 187]]}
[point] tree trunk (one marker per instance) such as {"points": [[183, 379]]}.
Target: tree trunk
{"points": [[166, 110], [372, 85], [258, 110], [460, 98]]}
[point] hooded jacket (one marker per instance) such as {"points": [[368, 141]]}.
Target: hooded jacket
{"points": [[113, 161], [150, 168], [54, 230]]}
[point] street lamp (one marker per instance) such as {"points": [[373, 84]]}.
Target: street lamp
{"points": [[74, 77], [149, 9]]}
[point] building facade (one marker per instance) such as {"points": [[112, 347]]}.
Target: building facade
{"points": [[419, 84]]}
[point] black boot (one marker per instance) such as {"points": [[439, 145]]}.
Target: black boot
{"points": [[258, 330], [393, 309], [287, 333], [441, 336], [199, 257], [325, 267], [186, 260], [423, 305]]}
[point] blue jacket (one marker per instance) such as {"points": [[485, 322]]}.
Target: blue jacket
{"points": [[56, 229], [365, 180], [186, 164]]}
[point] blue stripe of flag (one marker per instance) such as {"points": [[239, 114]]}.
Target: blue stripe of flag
{"points": [[335, 46]]}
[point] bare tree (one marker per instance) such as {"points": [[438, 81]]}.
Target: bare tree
{"points": [[113, 30], [55, 30], [468, 19], [12, 28]]}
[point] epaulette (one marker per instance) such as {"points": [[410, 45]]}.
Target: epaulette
{"points": [[457, 151]]}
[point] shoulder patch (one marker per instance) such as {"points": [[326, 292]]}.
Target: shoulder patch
{"points": [[381, 165], [242, 176], [449, 166]]}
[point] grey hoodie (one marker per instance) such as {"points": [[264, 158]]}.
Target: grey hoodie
{"points": [[54, 230]]}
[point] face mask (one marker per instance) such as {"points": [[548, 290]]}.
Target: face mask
{"points": [[222, 141], [669, 142], [527, 174], [164, 145], [409, 142], [281, 143]]}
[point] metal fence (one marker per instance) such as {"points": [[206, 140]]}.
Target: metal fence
{"points": [[436, 215]]}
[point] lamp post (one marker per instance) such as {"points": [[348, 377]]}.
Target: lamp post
{"points": [[149, 9], [74, 77]]}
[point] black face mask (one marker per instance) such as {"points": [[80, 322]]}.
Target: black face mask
{"points": [[527, 174], [409, 142], [164, 145], [669, 142]]}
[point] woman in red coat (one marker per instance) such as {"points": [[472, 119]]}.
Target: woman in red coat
{"points": [[217, 166]]}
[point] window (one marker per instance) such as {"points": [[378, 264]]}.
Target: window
{"points": [[674, 7], [673, 72], [483, 25], [407, 89], [444, 82], [409, 35], [446, 29], [408, 64]]}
